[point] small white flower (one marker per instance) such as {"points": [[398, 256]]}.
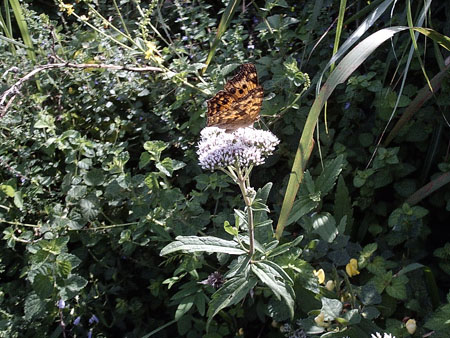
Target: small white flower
{"points": [[243, 147]]}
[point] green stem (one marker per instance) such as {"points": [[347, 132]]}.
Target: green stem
{"points": [[242, 179]]}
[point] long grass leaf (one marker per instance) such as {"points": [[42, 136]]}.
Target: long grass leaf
{"points": [[420, 21], [223, 25], [21, 22], [345, 68], [422, 96], [355, 37], [429, 188], [414, 42]]}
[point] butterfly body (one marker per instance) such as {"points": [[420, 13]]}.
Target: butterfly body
{"points": [[239, 103]]}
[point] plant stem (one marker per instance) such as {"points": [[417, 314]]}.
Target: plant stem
{"points": [[244, 183]]}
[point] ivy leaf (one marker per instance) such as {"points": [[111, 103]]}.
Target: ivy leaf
{"points": [[155, 149], [94, 177], [89, 209], [369, 295], [331, 308], [205, 244], [165, 166]]}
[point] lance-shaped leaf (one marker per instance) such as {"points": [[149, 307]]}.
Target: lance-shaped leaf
{"points": [[232, 292], [277, 283], [202, 244]]}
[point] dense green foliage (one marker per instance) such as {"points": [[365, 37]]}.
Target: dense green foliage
{"points": [[99, 173]]}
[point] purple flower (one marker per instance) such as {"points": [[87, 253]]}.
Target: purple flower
{"points": [[90, 334], [215, 280], [61, 304], [244, 147], [93, 319], [347, 105], [77, 320]]}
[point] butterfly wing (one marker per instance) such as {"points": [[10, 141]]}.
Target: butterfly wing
{"points": [[238, 105]]}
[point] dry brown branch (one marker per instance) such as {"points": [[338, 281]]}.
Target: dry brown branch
{"points": [[14, 90]]}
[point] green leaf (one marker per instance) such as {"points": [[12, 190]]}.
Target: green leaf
{"points": [[345, 68], [301, 207], [369, 295], [366, 254], [232, 292], [325, 182], [277, 269], [63, 267], [43, 286], [155, 149], [331, 308], [410, 267], [73, 285], [165, 166], [397, 289], [343, 205], [325, 225], [284, 247], [89, 209], [230, 229], [223, 25], [184, 306], [279, 286], [34, 307], [202, 244], [144, 159], [18, 201], [8, 190], [94, 177]]}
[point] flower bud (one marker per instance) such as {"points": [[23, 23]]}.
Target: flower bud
{"points": [[411, 326], [330, 285]]}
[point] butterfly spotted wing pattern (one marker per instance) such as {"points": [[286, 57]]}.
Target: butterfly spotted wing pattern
{"points": [[238, 105]]}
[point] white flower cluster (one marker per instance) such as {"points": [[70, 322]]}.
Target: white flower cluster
{"points": [[244, 147]]}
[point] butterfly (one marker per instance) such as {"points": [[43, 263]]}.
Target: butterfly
{"points": [[239, 103]]}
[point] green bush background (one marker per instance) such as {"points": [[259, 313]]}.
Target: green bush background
{"points": [[99, 168]]}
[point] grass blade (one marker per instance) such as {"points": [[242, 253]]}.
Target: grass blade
{"points": [[345, 68], [223, 25], [20, 18]]}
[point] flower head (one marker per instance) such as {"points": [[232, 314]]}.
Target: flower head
{"points": [[215, 280], [320, 274], [77, 320], [243, 147], [61, 304], [411, 326], [352, 268], [66, 8], [93, 319]]}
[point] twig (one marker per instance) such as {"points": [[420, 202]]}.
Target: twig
{"points": [[14, 90]]}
